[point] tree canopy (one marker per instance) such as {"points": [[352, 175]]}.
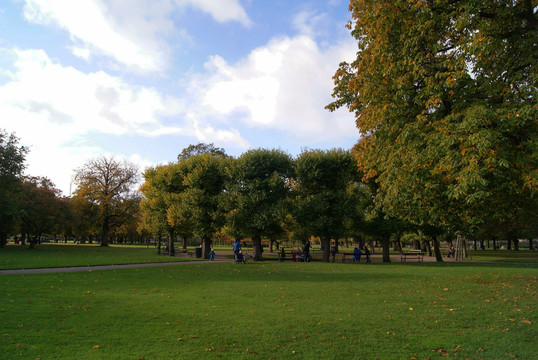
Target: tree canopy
{"points": [[108, 184], [444, 95], [12, 157]]}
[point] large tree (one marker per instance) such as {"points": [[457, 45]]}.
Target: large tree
{"points": [[108, 183], [444, 94], [12, 156], [259, 194], [323, 201], [41, 208], [197, 206]]}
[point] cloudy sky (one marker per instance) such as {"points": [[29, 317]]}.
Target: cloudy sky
{"points": [[143, 79]]}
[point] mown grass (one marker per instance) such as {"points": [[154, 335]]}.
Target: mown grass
{"points": [[273, 310], [521, 256], [58, 255]]}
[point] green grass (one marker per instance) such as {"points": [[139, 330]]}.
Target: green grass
{"points": [[521, 256], [273, 310], [57, 255]]}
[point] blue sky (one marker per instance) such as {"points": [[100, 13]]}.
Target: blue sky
{"points": [[143, 79]]}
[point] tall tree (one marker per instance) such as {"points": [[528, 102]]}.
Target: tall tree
{"points": [[198, 205], [107, 183], [323, 202], [444, 94], [12, 156], [259, 188]]}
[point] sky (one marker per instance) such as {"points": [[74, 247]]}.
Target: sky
{"points": [[143, 79]]}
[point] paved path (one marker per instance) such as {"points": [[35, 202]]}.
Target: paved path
{"points": [[223, 257]]}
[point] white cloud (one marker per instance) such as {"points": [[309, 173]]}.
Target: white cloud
{"points": [[220, 10], [131, 34], [60, 112], [283, 85], [54, 108]]}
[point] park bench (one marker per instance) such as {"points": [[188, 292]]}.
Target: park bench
{"points": [[186, 252], [412, 254], [367, 257]]}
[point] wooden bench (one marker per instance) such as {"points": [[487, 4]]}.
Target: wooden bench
{"points": [[186, 252], [363, 255], [412, 254]]}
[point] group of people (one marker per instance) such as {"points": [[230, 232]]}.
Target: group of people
{"points": [[298, 254]]}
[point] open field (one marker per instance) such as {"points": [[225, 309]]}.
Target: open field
{"points": [[54, 255], [273, 310]]}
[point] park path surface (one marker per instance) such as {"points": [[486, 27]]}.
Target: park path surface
{"points": [[220, 257]]}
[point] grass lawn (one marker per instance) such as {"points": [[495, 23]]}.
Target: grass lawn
{"points": [[273, 310], [59, 255]]}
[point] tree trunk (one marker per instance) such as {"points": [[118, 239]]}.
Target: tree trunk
{"points": [[494, 244], [326, 244], [516, 244], [437, 249], [427, 247], [531, 246], [206, 247], [105, 231], [257, 247], [3, 240], [385, 243], [358, 240], [171, 249], [509, 244]]}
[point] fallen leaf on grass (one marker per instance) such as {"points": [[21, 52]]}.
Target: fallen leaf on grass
{"points": [[528, 322], [96, 346], [251, 351], [511, 355]]}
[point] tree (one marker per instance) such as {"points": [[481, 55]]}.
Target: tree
{"points": [[41, 208], [259, 193], [107, 183], [12, 157], [200, 201], [444, 97], [200, 148], [322, 201]]}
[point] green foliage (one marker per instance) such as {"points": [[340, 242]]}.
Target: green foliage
{"points": [[322, 201], [273, 310], [12, 157], [258, 194], [444, 95]]}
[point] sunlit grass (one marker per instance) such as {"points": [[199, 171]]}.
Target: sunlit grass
{"points": [[273, 310]]}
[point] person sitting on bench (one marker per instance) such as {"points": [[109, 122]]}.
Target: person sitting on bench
{"points": [[357, 254]]}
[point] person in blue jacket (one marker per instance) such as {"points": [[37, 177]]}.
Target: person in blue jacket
{"points": [[237, 246], [357, 254]]}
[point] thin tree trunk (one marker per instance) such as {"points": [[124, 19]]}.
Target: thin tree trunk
{"points": [[427, 246], [171, 249], [437, 249]]}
